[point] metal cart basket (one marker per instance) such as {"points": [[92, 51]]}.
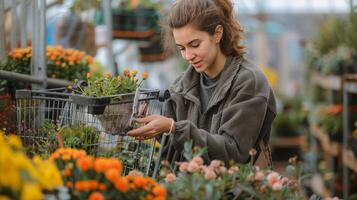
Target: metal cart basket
{"points": [[110, 117]]}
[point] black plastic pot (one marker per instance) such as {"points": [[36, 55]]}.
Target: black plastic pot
{"points": [[96, 105]]}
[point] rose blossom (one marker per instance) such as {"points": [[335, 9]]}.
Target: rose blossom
{"points": [[183, 167], [135, 173], [232, 170], [259, 176], [272, 178], [277, 186], [170, 178], [210, 175], [198, 160], [193, 167]]}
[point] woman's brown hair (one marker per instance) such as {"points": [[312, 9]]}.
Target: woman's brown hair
{"points": [[206, 15]]}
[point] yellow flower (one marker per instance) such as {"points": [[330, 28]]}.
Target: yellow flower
{"points": [[134, 72], [118, 78], [145, 75], [14, 141], [31, 191], [107, 75]]}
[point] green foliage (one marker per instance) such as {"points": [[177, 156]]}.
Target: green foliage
{"points": [[331, 35], [78, 136], [111, 85], [289, 118]]}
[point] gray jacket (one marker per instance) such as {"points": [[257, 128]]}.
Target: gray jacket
{"points": [[239, 113]]}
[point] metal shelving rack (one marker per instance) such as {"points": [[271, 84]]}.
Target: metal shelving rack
{"points": [[349, 160], [331, 150]]}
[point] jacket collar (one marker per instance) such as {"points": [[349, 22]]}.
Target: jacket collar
{"points": [[188, 86]]}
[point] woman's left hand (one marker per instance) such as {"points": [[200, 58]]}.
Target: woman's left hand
{"points": [[154, 125]]}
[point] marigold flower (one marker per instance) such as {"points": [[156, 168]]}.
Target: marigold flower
{"points": [[88, 75], [127, 72], [95, 196], [85, 163], [107, 75], [134, 72], [112, 175], [140, 181], [121, 184], [102, 187], [67, 172], [145, 75], [159, 191]]}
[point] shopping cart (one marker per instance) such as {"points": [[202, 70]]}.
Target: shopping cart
{"points": [[111, 117]]}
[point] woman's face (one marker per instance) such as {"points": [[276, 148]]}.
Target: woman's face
{"points": [[197, 47]]}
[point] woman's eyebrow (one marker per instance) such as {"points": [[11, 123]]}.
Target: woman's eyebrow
{"points": [[190, 42]]}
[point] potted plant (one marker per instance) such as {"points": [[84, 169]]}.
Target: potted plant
{"points": [[110, 99]]}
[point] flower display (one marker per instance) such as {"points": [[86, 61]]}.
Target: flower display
{"points": [[62, 63], [21, 177], [112, 85], [88, 177], [197, 180]]}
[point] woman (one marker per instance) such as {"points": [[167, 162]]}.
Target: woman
{"points": [[222, 101]]}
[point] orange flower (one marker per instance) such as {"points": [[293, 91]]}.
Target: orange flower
{"points": [[69, 184], [93, 185], [107, 75], [67, 172], [144, 75], [140, 181], [159, 191], [95, 196], [102, 186], [85, 163], [100, 165], [88, 75], [127, 72], [112, 174], [121, 184]]}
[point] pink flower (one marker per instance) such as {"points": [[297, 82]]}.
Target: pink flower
{"points": [[284, 180], [198, 160], [222, 169], [259, 176], [277, 186], [170, 178], [183, 167], [135, 173], [232, 170], [215, 164], [193, 167], [210, 175], [203, 168], [272, 178]]}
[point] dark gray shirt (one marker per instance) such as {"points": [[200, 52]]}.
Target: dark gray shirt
{"points": [[206, 90]]}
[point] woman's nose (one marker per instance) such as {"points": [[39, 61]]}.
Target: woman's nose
{"points": [[189, 55]]}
